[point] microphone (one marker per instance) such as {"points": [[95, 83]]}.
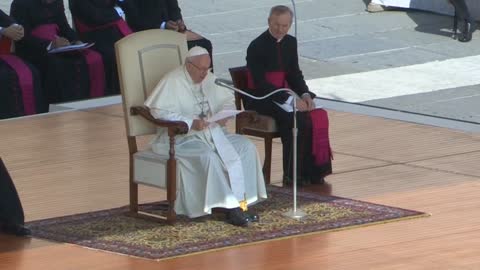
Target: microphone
{"points": [[295, 17], [294, 213], [224, 83]]}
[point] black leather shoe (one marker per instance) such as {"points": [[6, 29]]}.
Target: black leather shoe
{"points": [[466, 36], [252, 217], [237, 217], [288, 181], [319, 181], [16, 229]]}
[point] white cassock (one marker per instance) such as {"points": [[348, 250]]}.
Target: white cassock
{"points": [[215, 169]]}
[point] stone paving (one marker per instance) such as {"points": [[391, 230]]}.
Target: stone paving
{"points": [[341, 37]]}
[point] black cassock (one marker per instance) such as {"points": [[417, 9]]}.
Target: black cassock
{"points": [[11, 211], [21, 92], [150, 14], [66, 76], [98, 21], [267, 61]]}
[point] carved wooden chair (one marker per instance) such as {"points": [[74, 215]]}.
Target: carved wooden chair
{"points": [[263, 126], [143, 59]]}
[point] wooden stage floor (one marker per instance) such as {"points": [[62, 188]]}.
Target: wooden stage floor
{"points": [[77, 161]]}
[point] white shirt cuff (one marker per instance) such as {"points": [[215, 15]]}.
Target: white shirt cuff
{"points": [[120, 11], [162, 26], [289, 100], [189, 123], [306, 95]]}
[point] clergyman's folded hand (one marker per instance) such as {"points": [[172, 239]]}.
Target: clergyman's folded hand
{"points": [[301, 105], [172, 25], [14, 32], [60, 42]]}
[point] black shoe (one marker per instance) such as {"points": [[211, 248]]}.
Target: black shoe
{"points": [[288, 181], [16, 229], [466, 36], [252, 217], [319, 181], [237, 217]]}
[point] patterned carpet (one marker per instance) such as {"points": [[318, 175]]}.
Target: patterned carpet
{"points": [[113, 230]]}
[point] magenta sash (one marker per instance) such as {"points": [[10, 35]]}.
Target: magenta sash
{"points": [[120, 24], [25, 80], [321, 149], [46, 31], [276, 78], [5, 45], [96, 72]]}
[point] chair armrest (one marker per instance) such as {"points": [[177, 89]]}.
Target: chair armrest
{"points": [[245, 118], [250, 116], [174, 127]]}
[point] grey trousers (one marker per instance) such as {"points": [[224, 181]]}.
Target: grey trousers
{"points": [[462, 11]]}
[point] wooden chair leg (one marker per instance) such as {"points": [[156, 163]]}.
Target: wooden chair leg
{"points": [[133, 191], [133, 197], [171, 190], [455, 25], [267, 164]]}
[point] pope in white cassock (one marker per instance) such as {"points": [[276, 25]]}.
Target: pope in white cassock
{"points": [[216, 169]]}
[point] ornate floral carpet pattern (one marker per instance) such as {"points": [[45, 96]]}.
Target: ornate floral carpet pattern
{"points": [[113, 230]]}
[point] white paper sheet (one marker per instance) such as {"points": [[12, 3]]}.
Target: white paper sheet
{"points": [[289, 108], [74, 47]]}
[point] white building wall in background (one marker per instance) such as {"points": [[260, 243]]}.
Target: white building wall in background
{"points": [[438, 6]]}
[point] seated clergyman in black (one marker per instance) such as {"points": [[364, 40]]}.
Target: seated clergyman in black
{"points": [[164, 14], [11, 212], [272, 61]]}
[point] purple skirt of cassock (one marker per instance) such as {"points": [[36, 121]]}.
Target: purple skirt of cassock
{"points": [[20, 93]]}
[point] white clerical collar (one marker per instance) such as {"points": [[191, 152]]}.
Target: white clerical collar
{"points": [[278, 40], [187, 75]]}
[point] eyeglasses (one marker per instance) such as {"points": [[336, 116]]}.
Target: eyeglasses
{"points": [[200, 68]]}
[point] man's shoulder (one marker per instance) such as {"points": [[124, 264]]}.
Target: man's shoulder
{"points": [[21, 2], [258, 41], [290, 38]]}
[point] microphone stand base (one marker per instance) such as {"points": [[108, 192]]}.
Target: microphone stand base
{"points": [[299, 214]]}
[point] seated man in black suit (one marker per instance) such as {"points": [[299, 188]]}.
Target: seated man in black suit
{"points": [[165, 14], [11, 211]]}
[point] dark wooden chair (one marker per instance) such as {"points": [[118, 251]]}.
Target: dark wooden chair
{"points": [[263, 126]]}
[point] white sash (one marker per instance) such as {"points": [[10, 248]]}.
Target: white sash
{"points": [[232, 162]]}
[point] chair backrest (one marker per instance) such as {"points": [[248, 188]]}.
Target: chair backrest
{"points": [[240, 81], [143, 58]]}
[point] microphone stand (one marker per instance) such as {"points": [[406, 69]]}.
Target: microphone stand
{"points": [[295, 17], [294, 213]]}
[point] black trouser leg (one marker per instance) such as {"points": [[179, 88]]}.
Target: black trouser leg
{"points": [[11, 211], [461, 9]]}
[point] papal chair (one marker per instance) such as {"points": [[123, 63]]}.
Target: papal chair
{"points": [[143, 59], [263, 126]]}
